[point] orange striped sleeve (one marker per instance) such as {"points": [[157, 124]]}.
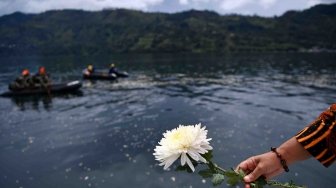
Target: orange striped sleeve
{"points": [[319, 137]]}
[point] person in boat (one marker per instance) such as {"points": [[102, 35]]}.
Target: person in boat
{"points": [[113, 69], [89, 70], [41, 78], [22, 82]]}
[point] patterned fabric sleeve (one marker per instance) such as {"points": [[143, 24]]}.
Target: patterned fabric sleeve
{"points": [[319, 138]]}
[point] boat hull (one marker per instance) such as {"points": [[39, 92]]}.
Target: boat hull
{"points": [[58, 88]]}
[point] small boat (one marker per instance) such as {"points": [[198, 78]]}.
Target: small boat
{"points": [[57, 88], [121, 74], [101, 74]]}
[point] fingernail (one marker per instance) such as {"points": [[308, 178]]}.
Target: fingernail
{"points": [[247, 179]]}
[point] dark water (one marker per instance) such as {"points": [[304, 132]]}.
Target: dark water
{"points": [[105, 137]]}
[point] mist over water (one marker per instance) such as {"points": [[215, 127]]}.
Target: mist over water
{"points": [[104, 136]]}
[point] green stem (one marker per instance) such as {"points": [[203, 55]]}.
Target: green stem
{"points": [[214, 167], [284, 185]]}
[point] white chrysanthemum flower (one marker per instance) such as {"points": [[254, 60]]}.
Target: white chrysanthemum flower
{"points": [[185, 141]]}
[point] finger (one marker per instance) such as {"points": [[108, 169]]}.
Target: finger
{"points": [[247, 165], [237, 168], [255, 174], [241, 166]]}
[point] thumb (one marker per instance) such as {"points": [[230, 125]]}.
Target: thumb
{"points": [[257, 172]]}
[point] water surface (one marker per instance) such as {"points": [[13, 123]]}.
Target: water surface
{"points": [[105, 136]]}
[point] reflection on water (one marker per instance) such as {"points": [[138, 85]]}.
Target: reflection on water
{"points": [[37, 102], [105, 136], [34, 102]]}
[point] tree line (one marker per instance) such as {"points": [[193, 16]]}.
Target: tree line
{"points": [[124, 31]]}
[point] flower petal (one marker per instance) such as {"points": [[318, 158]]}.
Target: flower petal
{"points": [[203, 159], [190, 164], [193, 154], [183, 158], [170, 160]]}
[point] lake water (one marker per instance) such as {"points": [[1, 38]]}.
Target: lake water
{"points": [[105, 136]]}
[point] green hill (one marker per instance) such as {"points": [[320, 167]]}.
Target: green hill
{"points": [[121, 30]]}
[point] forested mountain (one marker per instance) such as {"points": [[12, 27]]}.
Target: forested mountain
{"points": [[121, 30]]}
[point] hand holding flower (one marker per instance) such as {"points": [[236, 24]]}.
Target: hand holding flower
{"points": [[192, 145]]}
